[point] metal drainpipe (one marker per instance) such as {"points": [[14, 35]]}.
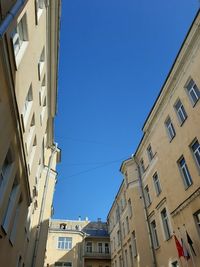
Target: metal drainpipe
{"points": [[120, 231], [43, 204], [146, 215], [11, 16]]}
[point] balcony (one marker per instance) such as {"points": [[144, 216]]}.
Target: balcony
{"points": [[97, 255]]}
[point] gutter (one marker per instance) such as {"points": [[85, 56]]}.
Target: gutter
{"points": [[55, 149], [11, 16], [146, 215]]}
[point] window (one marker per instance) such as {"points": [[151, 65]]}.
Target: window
{"points": [[15, 221], [142, 165], [64, 243], [39, 6], [157, 184], [134, 244], [180, 111], [107, 250], [42, 90], [131, 255], [123, 230], [41, 63], [165, 222], [147, 196], [61, 263], [126, 258], [185, 172], [130, 208], [28, 101], [100, 247], [127, 225], [197, 220], [4, 169], [118, 237], [89, 247], [20, 35], [150, 153], [196, 150], [175, 264], [13, 198], [170, 129], [154, 234], [193, 92]]}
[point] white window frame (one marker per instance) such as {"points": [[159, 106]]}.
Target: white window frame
{"points": [[134, 244], [154, 232], [150, 152], [41, 63], [166, 224], [20, 39], [197, 220], [187, 179], [193, 91], [39, 7], [157, 185], [147, 197], [196, 152], [180, 111], [65, 243], [170, 129], [89, 247]]}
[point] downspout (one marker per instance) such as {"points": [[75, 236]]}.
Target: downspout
{"points": [[11, 16], [120, 232], [146, 215], [54, 148]]}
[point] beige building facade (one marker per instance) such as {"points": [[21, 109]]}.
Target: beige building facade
{"points": [[29, 36], [159, 197], [78, 243]]}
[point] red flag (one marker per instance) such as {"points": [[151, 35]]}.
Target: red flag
{"points": [[179, 247]]}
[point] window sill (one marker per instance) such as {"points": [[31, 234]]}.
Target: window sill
{"points": [[20, 54]]}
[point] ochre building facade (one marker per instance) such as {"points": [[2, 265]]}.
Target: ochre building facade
{"points": [[159, 198], [78, 243], [29, 36]]}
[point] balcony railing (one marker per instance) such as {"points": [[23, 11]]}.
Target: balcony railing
{"points": [[97, 255]]}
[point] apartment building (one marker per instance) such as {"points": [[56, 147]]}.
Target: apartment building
{"points": [[78, 243], [29, 41], [159, 198]]}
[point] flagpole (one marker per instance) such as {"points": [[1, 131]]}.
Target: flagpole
{"points": [[192, 258], [182, 245]]}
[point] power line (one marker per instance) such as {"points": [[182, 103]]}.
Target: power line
{"points": [[91, 169]]}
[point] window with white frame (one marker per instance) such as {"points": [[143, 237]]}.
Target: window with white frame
{"points": [[42, 90], [170, 128], [187, 179], [175, 264], [28, 102], [134, 244], [61, 264], [4, 169], [127, 224], [19, 35], [39, 6], [107, 250], [64, 243], [147, 196], [193, 91], [156, 182], [100, 247], [13, 198], [196, 151], [41, 63], [180, 111], [150, 153], [197, 220], [142, 166], [89, 247], [165, 222], [130, 211], [154, 234]]}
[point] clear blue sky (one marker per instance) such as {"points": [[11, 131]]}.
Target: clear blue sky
{"points": [[114, 58]]}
